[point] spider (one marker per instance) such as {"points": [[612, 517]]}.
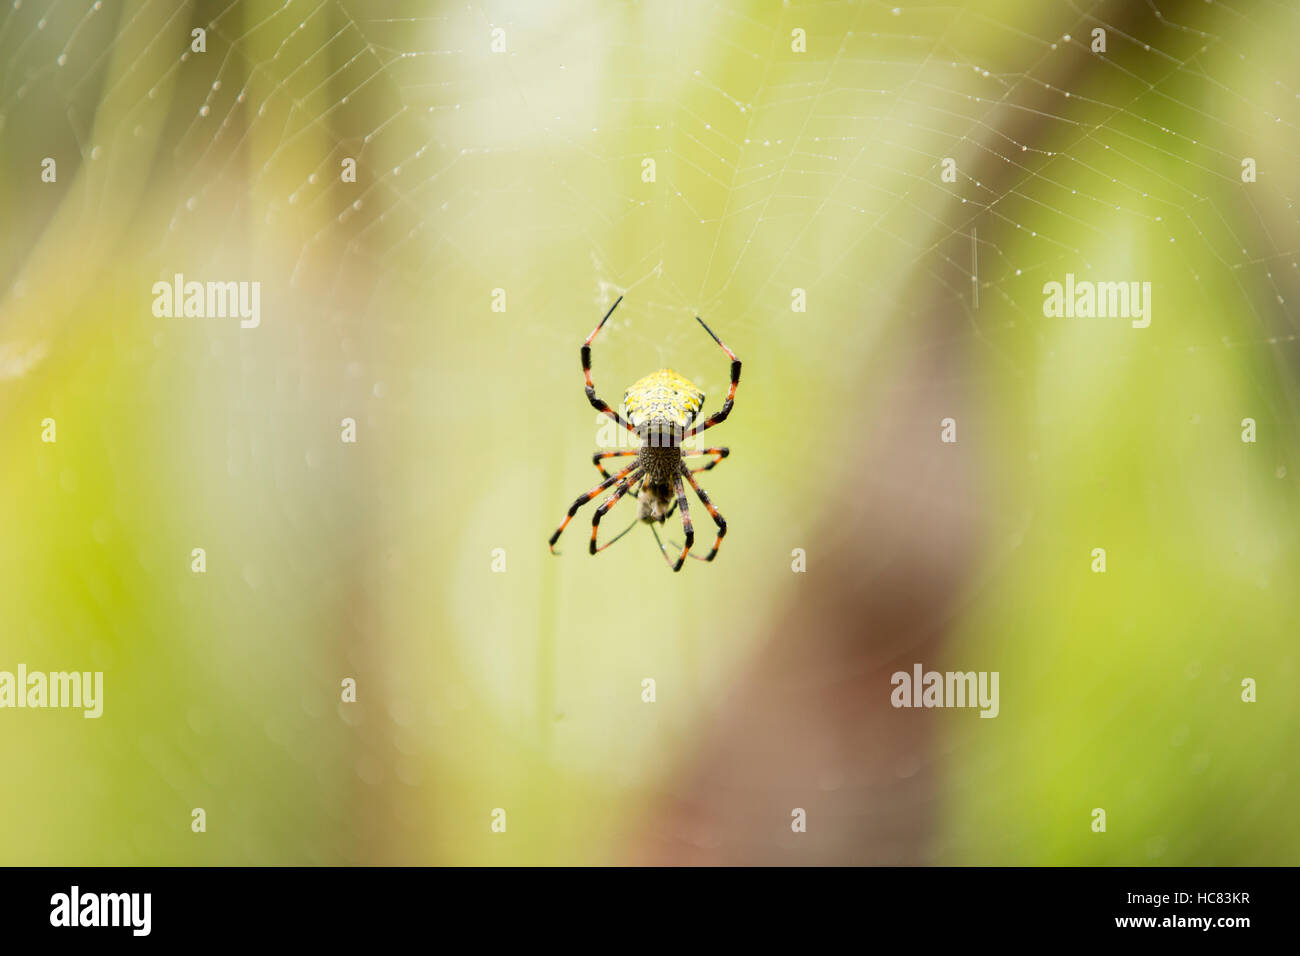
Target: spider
{"points": [[660, 409]]}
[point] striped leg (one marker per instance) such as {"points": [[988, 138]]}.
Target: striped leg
{"points": [[583, 499], [720, 521], [608, 503], [718, 417], [601, 456], [687, 528], [632, 490], [719, 453], [599, 403]]}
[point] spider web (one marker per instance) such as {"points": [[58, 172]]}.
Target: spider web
{"points": [[743, 210], [775, 170]]}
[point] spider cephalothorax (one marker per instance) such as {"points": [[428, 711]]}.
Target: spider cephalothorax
{"points": [[661, 411]]}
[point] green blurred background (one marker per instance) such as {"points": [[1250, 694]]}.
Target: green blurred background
{"points": [[522, 168]]}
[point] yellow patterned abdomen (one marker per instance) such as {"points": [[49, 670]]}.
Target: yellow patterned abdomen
{"points": [[663, 397]]}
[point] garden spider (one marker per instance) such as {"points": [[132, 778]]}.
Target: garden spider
{"points": [[660, 410]]}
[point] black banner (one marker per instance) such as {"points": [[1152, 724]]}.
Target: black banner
{"points": [[1161, 906]]}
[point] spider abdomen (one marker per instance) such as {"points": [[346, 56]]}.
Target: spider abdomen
{"points": [[663, 398]]}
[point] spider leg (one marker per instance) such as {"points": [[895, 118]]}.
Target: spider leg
{"points": [[608, 503], [719, 453], [582, 500], [720, 521], [599, 403], [686, 527], [635, 522], [718, 417], [601, 456], [633, 491]]}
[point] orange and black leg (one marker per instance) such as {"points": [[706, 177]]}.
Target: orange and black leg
{"points": [[596, 402], [602, 456], [720, 521], [718, 417], [583, 499], [718, 453], [607, 504], [687, 529]]}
